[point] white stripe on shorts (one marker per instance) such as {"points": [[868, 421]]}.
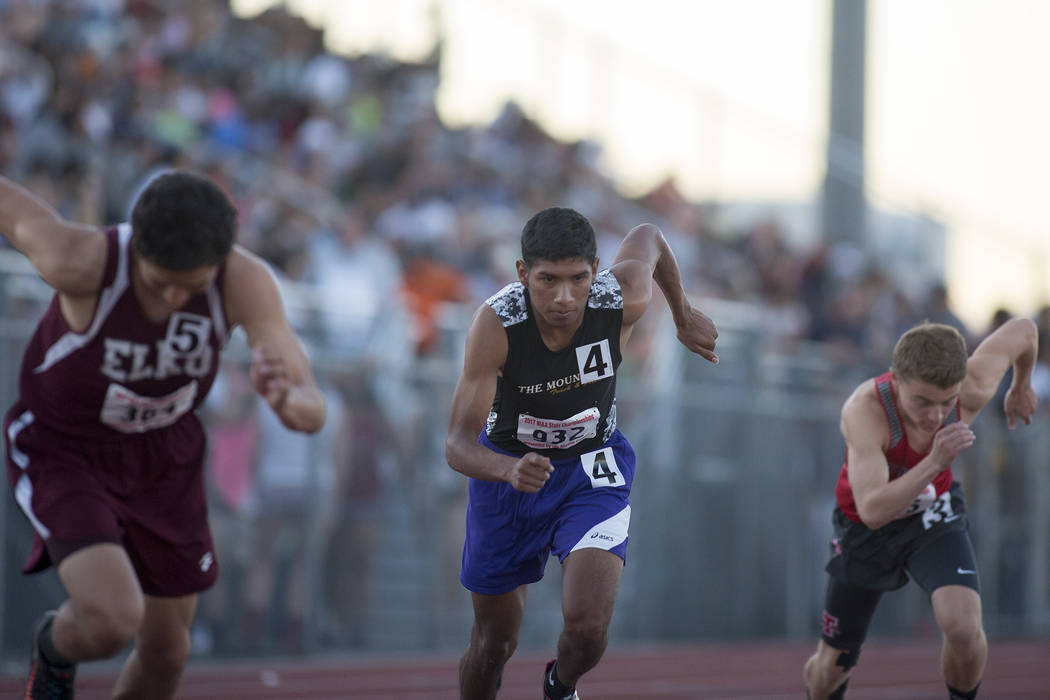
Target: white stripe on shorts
{"points": [[24, 487], [608, 533]]}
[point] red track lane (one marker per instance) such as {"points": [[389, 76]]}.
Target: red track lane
{"points": [[1017, 670]]}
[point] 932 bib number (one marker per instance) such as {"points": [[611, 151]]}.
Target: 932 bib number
{"points": [[546, 433]]}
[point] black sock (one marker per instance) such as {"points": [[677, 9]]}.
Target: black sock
{"points": [[555, 688], [47, 647], [954, 694], [840, 692]]}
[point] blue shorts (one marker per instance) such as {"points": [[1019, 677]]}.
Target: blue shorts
{"points": [[510, 534]]}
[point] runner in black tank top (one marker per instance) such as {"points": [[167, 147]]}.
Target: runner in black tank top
{"points": [[575, 385], [533, 424]]}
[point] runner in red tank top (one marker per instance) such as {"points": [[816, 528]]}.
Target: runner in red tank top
{"points": [[900, 455], [104, 449], [899, 513]]}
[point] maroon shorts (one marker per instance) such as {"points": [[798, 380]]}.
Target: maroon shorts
{"points": [[144, 492]]}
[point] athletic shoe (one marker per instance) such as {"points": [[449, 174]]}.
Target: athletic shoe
{"points": [[547, 684], [48, 681]]}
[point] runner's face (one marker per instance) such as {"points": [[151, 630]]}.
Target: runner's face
{"points": [[174, 288], [926, 405], [558, 290]]}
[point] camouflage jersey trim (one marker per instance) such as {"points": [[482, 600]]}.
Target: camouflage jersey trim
{"points": [[605, 292], [509, 302]]}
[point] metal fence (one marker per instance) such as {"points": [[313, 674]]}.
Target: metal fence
{"points": [[351, 541]]}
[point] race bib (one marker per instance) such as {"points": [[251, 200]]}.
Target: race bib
{"points": [[923, 501], [128, 412], [546, 433], [940, 511]]}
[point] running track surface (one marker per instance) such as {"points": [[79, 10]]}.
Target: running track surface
{"points": [[767, 671]]}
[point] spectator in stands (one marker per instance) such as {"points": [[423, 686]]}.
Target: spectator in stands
{"points": [[937, 309], [234, 429]]}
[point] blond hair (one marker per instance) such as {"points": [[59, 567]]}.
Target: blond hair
{"points": [[933, 353]]}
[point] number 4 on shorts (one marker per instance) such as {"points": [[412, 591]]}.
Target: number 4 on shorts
{"points": [[601, 468]]}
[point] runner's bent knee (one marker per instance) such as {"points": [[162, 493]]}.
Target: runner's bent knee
{"points": [[963, 630], [108, 625], [826, 669], [586, 639], [586, 627], [494, 645], [164, 655], [834, 661]]}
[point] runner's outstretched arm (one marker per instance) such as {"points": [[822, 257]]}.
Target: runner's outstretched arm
{"points": [[645, 256]]}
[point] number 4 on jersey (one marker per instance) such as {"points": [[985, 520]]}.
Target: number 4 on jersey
{"points": [[601, 468], [595, 361]]}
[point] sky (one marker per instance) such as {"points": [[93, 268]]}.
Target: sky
{"points": [[731, 99]]}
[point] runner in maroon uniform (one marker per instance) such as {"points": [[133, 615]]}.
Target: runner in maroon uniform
{"points": [[899, 512], [105, 450]]}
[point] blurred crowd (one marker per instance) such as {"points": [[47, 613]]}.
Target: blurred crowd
{"points": [[346, 178], [381, 221]]}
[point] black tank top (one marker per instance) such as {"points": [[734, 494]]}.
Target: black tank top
{"points": [[559, 404]]}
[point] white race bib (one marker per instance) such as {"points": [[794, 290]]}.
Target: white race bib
{"points": [[128, 412], [546, 433], [923, 501], [940, 511]]}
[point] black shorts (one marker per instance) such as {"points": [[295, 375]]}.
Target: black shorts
{"points": [[882, 559], [933, 548]]}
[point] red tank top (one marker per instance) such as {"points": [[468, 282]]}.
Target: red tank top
{"points": [[125, 374], [900, 456]]}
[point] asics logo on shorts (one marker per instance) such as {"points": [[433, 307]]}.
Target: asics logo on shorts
{"points": [[206, 561]]}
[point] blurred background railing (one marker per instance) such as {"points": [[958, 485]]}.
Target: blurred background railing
{"points": [[351, 540]]}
